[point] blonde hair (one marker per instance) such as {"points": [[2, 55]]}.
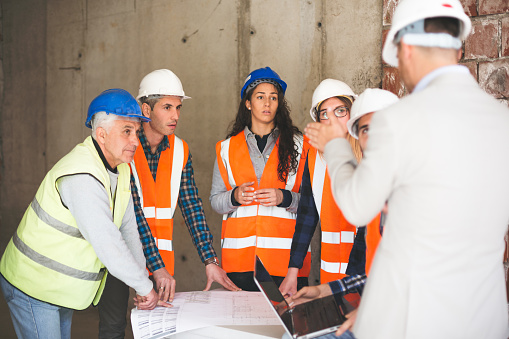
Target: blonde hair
{"points": [[356, 147], [354, 144]]}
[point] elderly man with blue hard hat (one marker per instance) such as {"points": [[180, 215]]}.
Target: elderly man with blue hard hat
{"points": [[79, 225]]}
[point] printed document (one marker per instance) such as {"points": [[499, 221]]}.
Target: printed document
{"points": [[192, 310]]}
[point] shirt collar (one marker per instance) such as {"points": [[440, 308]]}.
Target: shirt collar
{"points": [[425, 81], [101, 155], [163, 145], [274, 133]]}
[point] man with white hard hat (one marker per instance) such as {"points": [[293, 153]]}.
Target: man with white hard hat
{"points": [[439, 157], [370, 101], [161, 175]]}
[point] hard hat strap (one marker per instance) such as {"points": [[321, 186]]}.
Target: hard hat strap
{"points": [[416, 35], [442, 40]]}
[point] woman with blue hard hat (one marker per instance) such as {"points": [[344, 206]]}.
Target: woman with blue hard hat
{"points": [[256, 182]]}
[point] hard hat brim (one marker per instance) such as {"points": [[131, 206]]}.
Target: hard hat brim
{"points": [[166, 95], [370, 101]]}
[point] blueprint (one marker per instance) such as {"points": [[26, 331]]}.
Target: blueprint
{"points": [[192, 310]]}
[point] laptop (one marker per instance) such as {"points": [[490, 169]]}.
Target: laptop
{"points": [[307, 320]]}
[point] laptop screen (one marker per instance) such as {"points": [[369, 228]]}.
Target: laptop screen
{"points": [[270, 288], [309, 319]]}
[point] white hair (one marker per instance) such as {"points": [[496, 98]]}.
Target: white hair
{"points": [[105, 120]]}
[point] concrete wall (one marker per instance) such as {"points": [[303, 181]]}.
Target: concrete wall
{"points": [[23, 109], [59, 54]]}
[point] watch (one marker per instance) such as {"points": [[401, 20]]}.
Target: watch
{"points": [[212, 260]]}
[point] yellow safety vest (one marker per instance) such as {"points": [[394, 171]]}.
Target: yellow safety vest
{"points": [[48, 258]]}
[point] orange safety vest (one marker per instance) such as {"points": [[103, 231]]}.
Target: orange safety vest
{"points": [[337, 233], [159, 198], [373, 237], [255, 229]]}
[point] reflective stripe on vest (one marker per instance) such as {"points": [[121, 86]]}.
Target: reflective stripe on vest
{"points": [[162, 213], [48, 258], [317, 176], [254, 210], [338, 237], [159, 198], [262, 242], [163, 244], [56, 224], [238, 243], [333, 267], [53, 264], [337, 233], [256, 229]]}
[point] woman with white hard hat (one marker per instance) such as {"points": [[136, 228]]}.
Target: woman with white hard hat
{"points": [[332, 99], [370, 101], [256, 182], [330, 88]]}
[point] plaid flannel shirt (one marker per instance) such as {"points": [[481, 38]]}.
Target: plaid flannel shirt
{"points": [[189, 203], [349, 284], [307, 220]]}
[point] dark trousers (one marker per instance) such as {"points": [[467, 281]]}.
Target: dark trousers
{"points": [[245, 281], [113, 309]]}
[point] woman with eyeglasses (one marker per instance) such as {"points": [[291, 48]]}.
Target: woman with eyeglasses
{"points": [[332, 99], [256, 183]]}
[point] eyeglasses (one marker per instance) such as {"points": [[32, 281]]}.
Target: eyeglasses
{"points": [[339, 112]]}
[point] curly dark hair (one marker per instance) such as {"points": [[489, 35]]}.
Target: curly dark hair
{"points": [[288, 153]]}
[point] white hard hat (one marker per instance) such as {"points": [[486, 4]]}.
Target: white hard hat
{"points": [[411, 11], [371, 100], [161, 82], [329, 88]]}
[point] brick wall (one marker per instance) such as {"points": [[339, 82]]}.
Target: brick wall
{"points": [[485, 52]]}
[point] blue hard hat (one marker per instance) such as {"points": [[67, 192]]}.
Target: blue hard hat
{"points": [[115, 101], [262, 74]]}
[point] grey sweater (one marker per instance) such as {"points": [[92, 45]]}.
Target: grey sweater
{"points": [[120, 250]]}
